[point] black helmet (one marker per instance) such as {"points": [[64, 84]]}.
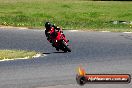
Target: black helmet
{"points": [[47, 25]]}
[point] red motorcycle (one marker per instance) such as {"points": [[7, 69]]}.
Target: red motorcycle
{"points": [[59, 40]]}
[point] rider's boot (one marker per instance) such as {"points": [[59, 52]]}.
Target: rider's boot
{"points": [[57, 49]]}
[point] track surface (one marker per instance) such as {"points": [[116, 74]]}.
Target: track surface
{"points": [[97, 52]]}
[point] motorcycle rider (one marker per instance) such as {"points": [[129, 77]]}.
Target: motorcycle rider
{"points": [[50, 27]]}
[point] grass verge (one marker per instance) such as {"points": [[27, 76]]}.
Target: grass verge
{"points": [[14, 54], [70, 14]]}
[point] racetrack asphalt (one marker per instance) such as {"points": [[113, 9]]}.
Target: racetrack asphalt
{"points": [[96, 52]]}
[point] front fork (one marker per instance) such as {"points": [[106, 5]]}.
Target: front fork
{"points": [[64, 38]]}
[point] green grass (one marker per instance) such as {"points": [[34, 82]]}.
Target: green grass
{"points": [[70, 14], [12, 54]]}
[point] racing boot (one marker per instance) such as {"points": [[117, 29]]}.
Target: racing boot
{"points": [[57, 49]]}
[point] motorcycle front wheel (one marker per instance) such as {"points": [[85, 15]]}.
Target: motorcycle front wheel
{"points": [[65, 47]]}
